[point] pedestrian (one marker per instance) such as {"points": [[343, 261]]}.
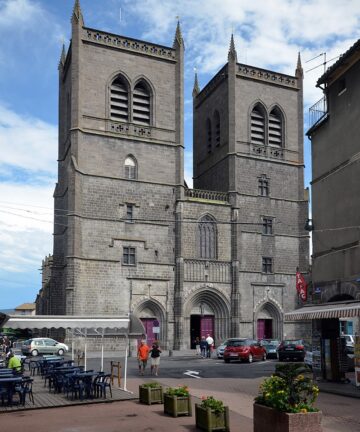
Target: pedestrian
{"points": [[203, 347], [142, 355], [210, 342], [197, 346], [155, 358]]}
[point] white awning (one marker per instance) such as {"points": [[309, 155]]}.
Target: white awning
{"points": [[327, 310], [124, 325]]}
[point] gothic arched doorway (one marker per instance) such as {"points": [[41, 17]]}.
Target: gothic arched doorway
{"points": [[152, 316], [268, 323], [206, 311]]}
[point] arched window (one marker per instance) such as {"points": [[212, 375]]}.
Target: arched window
{"points": [[141, 104], [208, 135], [130, 168], [257, 125], [207, 237], [217, 127], [276, 128], [119, 99]]}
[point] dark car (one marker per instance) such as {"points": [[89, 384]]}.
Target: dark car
{"points": [[292, 350], [271, 346], [244, 350]]}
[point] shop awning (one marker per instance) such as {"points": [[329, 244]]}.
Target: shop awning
{"points": [[327, 310], [124, 325]]}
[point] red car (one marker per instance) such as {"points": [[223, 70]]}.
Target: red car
{"points": [[244, 350]]}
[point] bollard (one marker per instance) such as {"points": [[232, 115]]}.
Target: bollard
{"points": [[170, 353]]}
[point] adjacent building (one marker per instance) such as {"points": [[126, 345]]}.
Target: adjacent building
{"points": [[131, 237]]}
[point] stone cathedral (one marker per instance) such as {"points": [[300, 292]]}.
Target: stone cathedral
{"points": [[131, 237]]}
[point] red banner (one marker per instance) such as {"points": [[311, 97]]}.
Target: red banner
{"points": [[301, 286]]}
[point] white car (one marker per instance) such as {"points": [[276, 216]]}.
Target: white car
{"points": [[220, 349]]}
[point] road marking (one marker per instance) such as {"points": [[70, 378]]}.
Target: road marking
{"points": [[193, 374]]}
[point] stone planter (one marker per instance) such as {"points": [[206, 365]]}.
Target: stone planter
{"points": [[266, 419], [150, 395], [177, 405], [207, 420]]}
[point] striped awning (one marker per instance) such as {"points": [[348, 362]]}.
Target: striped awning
{"points": [[327, 310]]}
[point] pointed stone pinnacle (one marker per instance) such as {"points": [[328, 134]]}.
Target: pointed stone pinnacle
{"points": [[232, 55], [178, 36], [299, 70], [62, 57], [77, 14], [196, 88]]}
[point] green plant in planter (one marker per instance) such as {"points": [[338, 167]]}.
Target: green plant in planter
{"points": [[212, 415], [177, 401], [290, 389], [150, 393], [178, 391], [216, 405]]}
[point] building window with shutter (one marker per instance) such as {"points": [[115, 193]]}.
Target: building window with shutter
{"points": [[263, 185], [257, 125], [267, 265], [267, 226], [129, 255], [209, 135], [130, 168], [119, 99], [130, 213], [207, 237], [217, 128], [141, 104], [276, 135]]}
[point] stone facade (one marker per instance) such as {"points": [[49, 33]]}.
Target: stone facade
{"points": [[102, 214]]}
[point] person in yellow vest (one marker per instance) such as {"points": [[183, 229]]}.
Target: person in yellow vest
{"points": [[14, 363]]}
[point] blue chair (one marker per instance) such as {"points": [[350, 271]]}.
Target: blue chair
{"points": [[24, 388], [101, 383]]}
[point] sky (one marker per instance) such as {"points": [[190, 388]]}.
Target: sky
{"points": [[268, 34]]}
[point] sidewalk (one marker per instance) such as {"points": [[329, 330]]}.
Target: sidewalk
{"points": [[342, 389], [127, 415]]}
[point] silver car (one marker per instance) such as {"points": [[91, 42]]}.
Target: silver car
{"points": [[38, 346]]}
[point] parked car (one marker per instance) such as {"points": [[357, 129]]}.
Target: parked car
{"points": [[38, 346], [271, 346], [220, 349], [292, 350], [244, 350]]}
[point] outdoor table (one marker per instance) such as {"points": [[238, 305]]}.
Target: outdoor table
{"points": [[85, 382], [7, 387]]}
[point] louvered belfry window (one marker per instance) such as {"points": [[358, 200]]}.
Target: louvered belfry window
{"points": [[130, 168], [141, 104], [275, 128], [119, 100], [217, 128], [257, 126], [208, 135]]}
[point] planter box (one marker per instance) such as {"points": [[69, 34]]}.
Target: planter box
{"points": [[177, 405], [207, 420], [150, 395], [266, 418]]}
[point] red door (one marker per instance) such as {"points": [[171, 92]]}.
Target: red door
{"points": [[207, 326], [149, 324], [261, 329]]}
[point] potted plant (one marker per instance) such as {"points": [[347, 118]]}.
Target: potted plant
{"points": [[151, 393], [177, 401], [212, 415], [286, 401]]}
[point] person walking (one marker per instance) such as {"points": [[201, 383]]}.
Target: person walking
{"points": [[142, 355], [155, 358], [210, 342], [197, 346], [203, 347]]}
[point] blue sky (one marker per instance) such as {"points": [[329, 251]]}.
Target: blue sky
{"points": [[268, 34]]}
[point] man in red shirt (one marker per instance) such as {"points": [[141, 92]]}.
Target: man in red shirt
{"points": [[142, 354]]}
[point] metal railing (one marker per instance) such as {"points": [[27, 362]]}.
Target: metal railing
{"points": [[317, 112]]}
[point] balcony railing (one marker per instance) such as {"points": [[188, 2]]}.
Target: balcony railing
{"points": [[207, 195], [317, 112]]}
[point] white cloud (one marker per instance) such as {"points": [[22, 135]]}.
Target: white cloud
{"points": [[18, 13], [27, 142]]}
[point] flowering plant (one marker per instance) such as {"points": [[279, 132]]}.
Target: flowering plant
{"points": [[216, 405], [290, 389], [178, 391]]}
